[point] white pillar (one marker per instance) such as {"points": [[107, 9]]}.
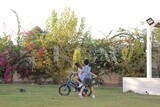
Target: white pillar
{"points": [[149, 52]]}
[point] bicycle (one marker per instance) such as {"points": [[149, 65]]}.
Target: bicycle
{"points": [[65, 88]]}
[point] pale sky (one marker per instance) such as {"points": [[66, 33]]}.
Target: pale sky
{"points": [[100, 15]]}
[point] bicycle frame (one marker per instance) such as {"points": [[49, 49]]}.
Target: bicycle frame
{"points": [[69, 83]]}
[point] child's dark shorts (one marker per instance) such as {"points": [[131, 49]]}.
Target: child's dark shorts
{"points": [[87, 81]]}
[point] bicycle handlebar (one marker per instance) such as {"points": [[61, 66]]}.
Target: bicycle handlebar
{"points": [[70, 75]]}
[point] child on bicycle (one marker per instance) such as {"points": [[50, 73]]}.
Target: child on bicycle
{"points": [[77, 74], [87, 78]]}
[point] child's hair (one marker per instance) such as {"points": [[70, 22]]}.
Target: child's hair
{"points": [[86, 62], [78, 65]]}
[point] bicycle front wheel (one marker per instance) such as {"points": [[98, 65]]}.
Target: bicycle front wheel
{"points": [[64, 90]]}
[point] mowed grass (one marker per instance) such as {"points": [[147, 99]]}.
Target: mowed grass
{"points": [[48, 96]]}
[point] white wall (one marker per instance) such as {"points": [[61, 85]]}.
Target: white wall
{"points": [[142, 85]]}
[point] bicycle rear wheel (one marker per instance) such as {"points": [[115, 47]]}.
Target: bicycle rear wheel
{"points": [[64, 90], [87, 91]]}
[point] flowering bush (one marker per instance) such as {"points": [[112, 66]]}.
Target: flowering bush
{"points": [[11, 60]]}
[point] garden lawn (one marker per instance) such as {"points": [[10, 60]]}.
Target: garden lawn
{"points": [[48, 96]]}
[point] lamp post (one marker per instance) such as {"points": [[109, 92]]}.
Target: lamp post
{"points": [[149, 52], [151, 24], [145, 85]]}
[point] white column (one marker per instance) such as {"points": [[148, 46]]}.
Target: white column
{"points": [[149, 52]]}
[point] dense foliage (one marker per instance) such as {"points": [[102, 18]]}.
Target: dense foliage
{"points": [[41, 54]]}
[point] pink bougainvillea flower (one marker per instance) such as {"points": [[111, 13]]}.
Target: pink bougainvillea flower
{"points": [[7, 72], [40, 51], [9, 69], [30, 46], [2, 63], [20, 67], [6, 77], [2, 60], [27, 71]]}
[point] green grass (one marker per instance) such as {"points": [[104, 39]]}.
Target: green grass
{"points": [[47, 96]]}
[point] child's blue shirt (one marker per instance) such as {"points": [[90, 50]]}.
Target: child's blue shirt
{"points": [[85, 72]]}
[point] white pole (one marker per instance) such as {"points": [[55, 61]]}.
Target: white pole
{"points": [[149, 52]]}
